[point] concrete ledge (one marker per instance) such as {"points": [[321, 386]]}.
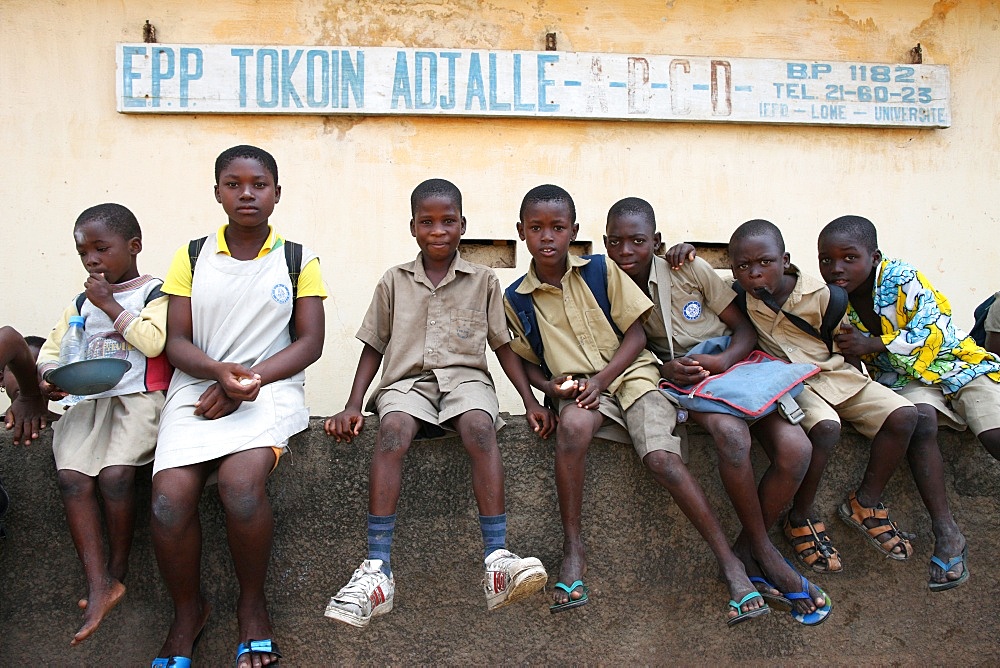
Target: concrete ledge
{"points": [[655, 597]]}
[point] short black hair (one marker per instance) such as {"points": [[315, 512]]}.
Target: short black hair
{"points": [[758, 227], [250, 152], [34, 341], [116, 217], [857, 228], [633, 206], [435, 188], [548, 193]]}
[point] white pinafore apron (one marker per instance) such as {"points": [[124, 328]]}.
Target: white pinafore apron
{"points": [[239, 313]]}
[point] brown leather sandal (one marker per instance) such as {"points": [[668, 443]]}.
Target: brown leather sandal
{"points": [[855, 515], [813, 547]]}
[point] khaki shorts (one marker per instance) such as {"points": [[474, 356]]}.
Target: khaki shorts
{"points": [[648, 424], [867, 410], [976, 406], [434, 408], [111, 431]]}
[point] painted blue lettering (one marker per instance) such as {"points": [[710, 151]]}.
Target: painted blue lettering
{"points": [[797, 71], [187, 74], [543, 83], [316, 58], [335, 79], [158, 74], [352, 78], [494, 104], [518, 105], [243, 54], [128, 76], [474, 88], [448, 102], [267, 71], [288, 92], [418, 79], [401, 83]]}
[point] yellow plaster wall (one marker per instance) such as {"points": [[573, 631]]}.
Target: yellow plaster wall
{"points": [[346, 180]]}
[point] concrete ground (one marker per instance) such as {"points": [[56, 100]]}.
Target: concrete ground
{"points": [[655, 598]]}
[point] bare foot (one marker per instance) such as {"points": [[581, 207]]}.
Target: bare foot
{"points": [[185, 630], [573, 568], [97, 605], [787, 580]]}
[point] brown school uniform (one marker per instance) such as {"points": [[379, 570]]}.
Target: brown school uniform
{"points": [[578, 340], [433, 339], [695, 295], [839, 390]]}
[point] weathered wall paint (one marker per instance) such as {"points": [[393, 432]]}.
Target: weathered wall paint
{"points": [[346, 180]]}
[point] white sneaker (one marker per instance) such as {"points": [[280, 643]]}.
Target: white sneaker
{"points": [[368, 594], [510, 578]]}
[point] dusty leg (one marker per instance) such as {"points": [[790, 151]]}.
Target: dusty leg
{"points": [[79, 495], [250, 530], [479, 437], [176, 532], [577, 427]]}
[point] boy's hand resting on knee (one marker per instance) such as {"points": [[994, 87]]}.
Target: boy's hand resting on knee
{"points": [[345, 425], [590, 392], [541, 420]]}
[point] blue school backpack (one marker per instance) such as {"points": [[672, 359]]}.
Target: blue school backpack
{"points": [[594, 274], [978, 332]]}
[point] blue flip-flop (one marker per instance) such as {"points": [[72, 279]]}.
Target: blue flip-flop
{"points": [[570, 601], [742, 616], [171, 662], [252, 647], [767, 595], [817, 616], [954, 561]]}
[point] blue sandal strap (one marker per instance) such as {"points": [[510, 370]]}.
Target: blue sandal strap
{"points": [[569, 589], [954, 561], [171, 662], [749, 597]]}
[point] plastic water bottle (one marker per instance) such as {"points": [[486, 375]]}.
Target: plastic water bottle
{"points": [[73, 347]]}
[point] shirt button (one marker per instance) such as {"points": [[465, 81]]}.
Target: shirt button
{"points": [[434, 294], [432, 322]]}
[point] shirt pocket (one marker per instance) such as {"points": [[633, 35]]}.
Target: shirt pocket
{"points": [[602, 330], [468, 332]]}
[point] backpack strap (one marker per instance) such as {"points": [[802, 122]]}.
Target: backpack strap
{"points": [[293, 260], [524, 307], [194, 249], [978, 331], [80, 298], [595, 275], [834, 313]]}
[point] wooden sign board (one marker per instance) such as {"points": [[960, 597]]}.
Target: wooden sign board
{"points": [[231, 79]]}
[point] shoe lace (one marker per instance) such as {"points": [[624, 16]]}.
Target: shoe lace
{"points": [[360, 585]]}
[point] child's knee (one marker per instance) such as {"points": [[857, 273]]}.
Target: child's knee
{"points": [[824, 435], [667, 467], [732, 441], [74, 483], [792, 455], [574, 433], [167, 511], [901, 423], [395, 433], [927, 422], [242, 497], [478, 433], [116, 482]]}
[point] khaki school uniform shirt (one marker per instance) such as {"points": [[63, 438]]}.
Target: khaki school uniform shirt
{"points": [[837, 380], [443, 330], [577, 338], [696, 295]]}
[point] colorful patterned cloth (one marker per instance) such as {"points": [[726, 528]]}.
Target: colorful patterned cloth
{"points": [[917, 330]]}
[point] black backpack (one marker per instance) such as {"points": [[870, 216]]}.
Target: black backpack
{"points": [[835, 310], [978, 332]]}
